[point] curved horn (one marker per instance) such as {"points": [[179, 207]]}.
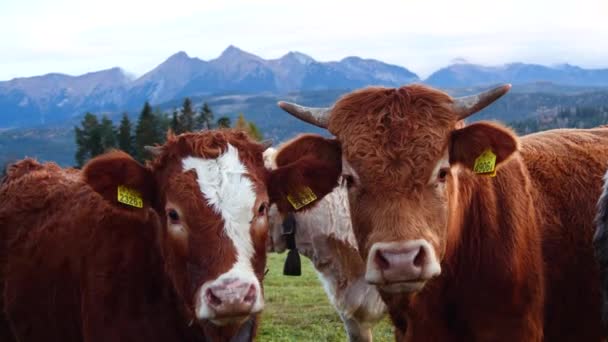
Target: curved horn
{"points": [[266, 143], [316, 116], [467, 105], [153, 150]]}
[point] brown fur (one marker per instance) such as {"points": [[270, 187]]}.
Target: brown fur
{"points": [[77, 265], [515, 250], [300, 166], [105, 271], [468, 143], [346, 264], [391, 136]]}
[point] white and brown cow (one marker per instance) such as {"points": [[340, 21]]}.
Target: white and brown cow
{"points": [[171, 251], [324, 235]]}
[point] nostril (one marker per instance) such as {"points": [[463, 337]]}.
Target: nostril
{"points": [[212, 299], [251, 295], [420, 257], [381, 261]]}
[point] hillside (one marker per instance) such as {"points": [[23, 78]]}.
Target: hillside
{"points": [[57, 142]]}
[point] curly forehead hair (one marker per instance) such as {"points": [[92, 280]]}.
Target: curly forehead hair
{"points": [[209, 144], [393, 135]]}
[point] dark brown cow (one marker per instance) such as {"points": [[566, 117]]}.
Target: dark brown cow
{"points": [[461, 256], [600, 243], [78, 265]]}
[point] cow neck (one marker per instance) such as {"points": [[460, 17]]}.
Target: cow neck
{"points": [[487, 212]]}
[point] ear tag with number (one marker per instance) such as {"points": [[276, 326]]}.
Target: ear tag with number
{"points": [[130, 197], [485, 164], [304, 197]]}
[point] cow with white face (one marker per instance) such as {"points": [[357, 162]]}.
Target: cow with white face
{"points": [[324, 234], [174, 250]]}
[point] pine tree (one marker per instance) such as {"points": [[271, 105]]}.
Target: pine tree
{"points": [[175, 122], [107, 134], [255, 132], [241, 123], [186, 117], [204, 120], [88, 139], [249, 127], [125, 137], [146, 132], [4, 171], [224, 122], [164, 123]]}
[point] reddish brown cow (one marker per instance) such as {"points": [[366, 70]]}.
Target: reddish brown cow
{"points": [[184, 264], [460, 256]]}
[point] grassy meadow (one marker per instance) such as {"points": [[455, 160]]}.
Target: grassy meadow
{"points": [[297, 308]]}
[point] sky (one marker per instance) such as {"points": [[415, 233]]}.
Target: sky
{"points": [[79, 36]]}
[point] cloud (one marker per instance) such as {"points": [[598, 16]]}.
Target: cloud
{"points": [[75, 36]]}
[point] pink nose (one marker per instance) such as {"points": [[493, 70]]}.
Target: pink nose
{"points": [[408, 261], [231, 298], [400, 262]]}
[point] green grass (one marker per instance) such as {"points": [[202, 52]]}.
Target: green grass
{"points": [[297, 308]]}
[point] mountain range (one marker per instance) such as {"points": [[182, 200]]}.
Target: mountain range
{"points": [[55, 98], [58, 98], [464, 75]]}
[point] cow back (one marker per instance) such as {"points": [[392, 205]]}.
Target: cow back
{"points": [[566, 169]]}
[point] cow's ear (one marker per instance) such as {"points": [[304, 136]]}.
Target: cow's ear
{"points": [[121, 180], [307, 169], [468, 143]]}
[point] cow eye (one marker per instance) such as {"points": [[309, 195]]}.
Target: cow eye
{"points": [[173, 215], [263, 209], [443, 174]]}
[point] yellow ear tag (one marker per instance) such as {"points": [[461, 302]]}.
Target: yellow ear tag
{"points": [[130, 197], [485, 164], [303, 198]]}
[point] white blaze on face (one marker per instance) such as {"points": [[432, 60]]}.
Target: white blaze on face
{"points": [[230, 193]]}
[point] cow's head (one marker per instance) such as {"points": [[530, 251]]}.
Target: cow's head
{"points": [[402, 150], [320, 167], [317, 221], [209, 192]]}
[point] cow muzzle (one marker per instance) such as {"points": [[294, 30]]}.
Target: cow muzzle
{"points": [[229, 300], [403, 266]]}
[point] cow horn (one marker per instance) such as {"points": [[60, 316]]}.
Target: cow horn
{"points": [[266, 143], [467, 105], [316, 116], [153, 150]]}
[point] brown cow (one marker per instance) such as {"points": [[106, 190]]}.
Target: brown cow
{"points": [[183, 262], [600, 243], [459, 255]]}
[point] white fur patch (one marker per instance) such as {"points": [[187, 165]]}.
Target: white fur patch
{"points": [[330, 218], [270, 158], [230, 193]]}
